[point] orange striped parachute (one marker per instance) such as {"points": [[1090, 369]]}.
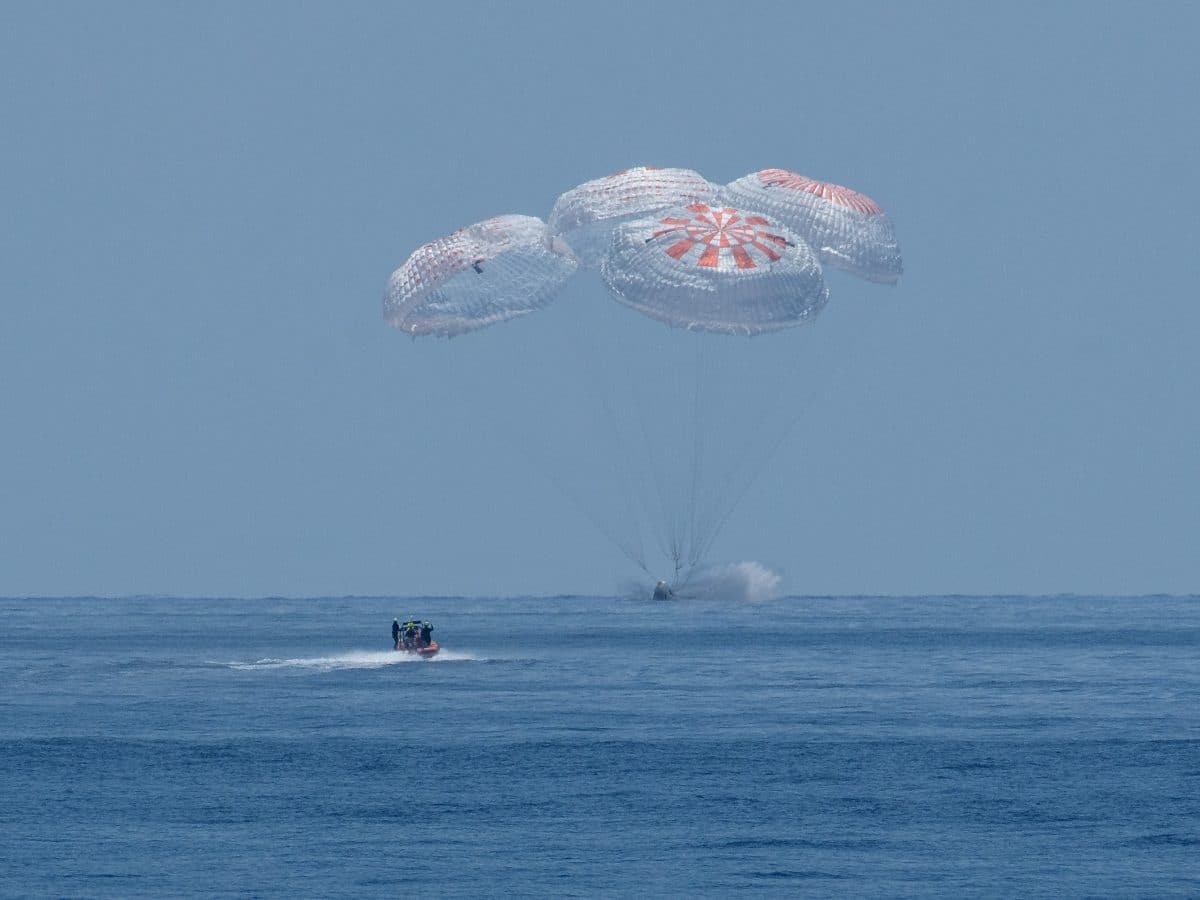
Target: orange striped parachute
{"points": [[848, 230], [715, 269]]}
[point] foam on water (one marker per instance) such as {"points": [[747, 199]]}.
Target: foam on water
{"points": [[354, 659]]}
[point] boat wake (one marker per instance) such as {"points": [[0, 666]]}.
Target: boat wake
{"points": [[354, 659]]}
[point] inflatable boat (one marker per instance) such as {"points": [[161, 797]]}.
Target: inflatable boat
{"points": [[428, 652]]}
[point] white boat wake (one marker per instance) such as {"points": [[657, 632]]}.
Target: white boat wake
{"points": [[353, 659]]}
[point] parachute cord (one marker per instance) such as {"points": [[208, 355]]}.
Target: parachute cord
{"points": [[664, 540], [627, 490], [725, 512], [590, 353], [697, 453], [633, 552], [745, 476], [702, 532], [732, 485], [626, 537]]}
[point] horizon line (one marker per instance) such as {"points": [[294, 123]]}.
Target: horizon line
{"points": [[588, 596]]}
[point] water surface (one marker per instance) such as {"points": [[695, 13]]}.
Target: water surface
{"points": [[583, 746]]}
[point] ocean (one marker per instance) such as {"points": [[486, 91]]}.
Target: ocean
{"points": [[572, 746]]}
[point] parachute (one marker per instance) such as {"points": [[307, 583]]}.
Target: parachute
{"points": [[718, 270], [745, 259], [586, 216], [848, 230], [489, 272]]}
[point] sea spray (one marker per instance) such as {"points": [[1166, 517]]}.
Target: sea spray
{"points": [[741, 582]]}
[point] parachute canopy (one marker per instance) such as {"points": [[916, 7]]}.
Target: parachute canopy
{"points": [[586, 216], [848, 230], [489, 272], [719, 270], [742, 259]]}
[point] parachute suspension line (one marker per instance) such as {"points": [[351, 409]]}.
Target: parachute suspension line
{"points": [[748, 475], [707, 514], [741, 474], [744, 480], [633, 478], [633, 552], [749, 466], [697, 456], [664, 540], [590, 353]]}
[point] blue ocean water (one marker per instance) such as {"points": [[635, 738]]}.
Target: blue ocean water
{"points": [[588, 746]]}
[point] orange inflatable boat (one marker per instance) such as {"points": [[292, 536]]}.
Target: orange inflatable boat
{"points": [[428, 652]]}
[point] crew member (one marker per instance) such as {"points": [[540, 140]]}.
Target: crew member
{"points": [[396, 634], [426, 630]]}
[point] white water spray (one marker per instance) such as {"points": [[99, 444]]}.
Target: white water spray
{"points": [[741, 582]]}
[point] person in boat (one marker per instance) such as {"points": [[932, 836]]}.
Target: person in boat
{"points": [[396, 634], [426, 634], [410, 634], [662, 591]]}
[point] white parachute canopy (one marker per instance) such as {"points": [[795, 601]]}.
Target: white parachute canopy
{"points": [[586, 216], [719, 270], [486, 273], [848, 230]]}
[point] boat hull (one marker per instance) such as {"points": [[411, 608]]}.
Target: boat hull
{"points": [[424, 652]]}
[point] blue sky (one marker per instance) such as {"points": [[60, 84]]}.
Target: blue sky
{"points": [[202, 204]]}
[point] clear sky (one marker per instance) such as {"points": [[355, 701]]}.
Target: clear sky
{"points": [[201, 203]]}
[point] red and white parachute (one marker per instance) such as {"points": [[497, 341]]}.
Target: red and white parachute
{"points": [[586, 216], [848, 230], [719, 270]]}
